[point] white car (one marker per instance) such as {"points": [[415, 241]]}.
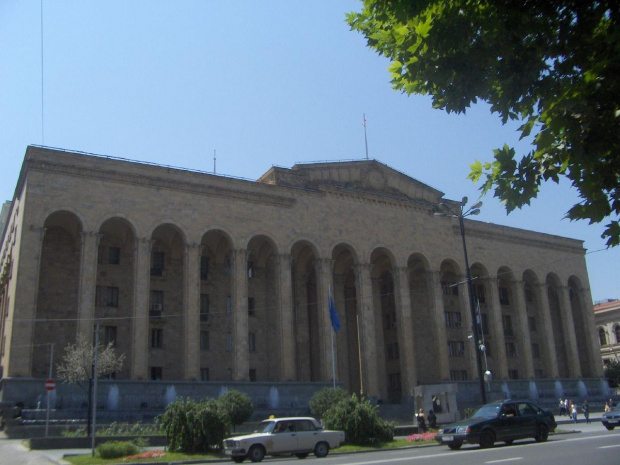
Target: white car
{"points": [[284, 436]]}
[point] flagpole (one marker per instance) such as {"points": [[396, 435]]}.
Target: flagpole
{"points": [[365, 138]]}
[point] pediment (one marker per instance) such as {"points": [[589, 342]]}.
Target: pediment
{"points": [[363, 176]]}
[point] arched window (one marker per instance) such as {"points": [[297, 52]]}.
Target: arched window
{"points": [[602, 337], [617, 331]]}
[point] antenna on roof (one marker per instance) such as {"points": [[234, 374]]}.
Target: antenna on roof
{"points": [[365, 138], [214, 161]]}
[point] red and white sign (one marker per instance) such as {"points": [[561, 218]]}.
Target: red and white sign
{"points": [[50, 385]]}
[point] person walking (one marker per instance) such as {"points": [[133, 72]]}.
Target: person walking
{"points": [[574, 411], [432, 419], [562, 407], [586, 410], [421, 421]]}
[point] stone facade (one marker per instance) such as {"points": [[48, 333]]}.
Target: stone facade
{"points": [[607, 318], [198, 277]]}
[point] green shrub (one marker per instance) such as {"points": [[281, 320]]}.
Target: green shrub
{"points": [[327, 397], [360, 422], [116, 449], [192, 426], [237, 406]]}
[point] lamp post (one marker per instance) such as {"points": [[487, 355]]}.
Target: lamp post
{"points": [[459, 214]]}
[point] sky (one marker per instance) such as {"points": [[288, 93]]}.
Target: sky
{"points": [[258, 83]]}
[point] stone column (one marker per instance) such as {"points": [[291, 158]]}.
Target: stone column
{"points": [[341, 337], [325, 279], [468, 324], [405, 329], [285, 311], [495, 312], [570, 339], [192, 311], [381, 373], [592, 341], [141, 300], [550, 352], [88, 284], [367, 330], [241, 357], [523, 335], [440, 326]]}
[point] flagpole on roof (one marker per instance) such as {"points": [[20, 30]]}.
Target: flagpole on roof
{"points": [[365, 138]]}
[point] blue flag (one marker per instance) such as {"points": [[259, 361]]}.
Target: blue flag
{"points": [[333, 315]]}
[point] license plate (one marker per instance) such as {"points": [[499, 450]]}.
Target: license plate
{"points": [[447, 438], [227, 452]]}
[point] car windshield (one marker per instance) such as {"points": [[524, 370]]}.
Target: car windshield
{"points": [[265, 427], [487, 411]]}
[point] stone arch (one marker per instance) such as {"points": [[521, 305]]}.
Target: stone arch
{"points": [[582, 327], [116, 216], [554, 290], [389, 345], [304, 271], [166, 356], [264, 323], [114, 297], [215, 304], [58, 290], [424, 323], [345, 261]]}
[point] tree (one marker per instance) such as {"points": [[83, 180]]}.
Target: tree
{"points": [[79, 362], [237, 406], [552, 65], [327, 397], [612, 373]]}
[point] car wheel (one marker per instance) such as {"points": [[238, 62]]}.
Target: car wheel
{"points": [[302, 455], [256, 453], [487, 439], [609, 427], [542, 433], [238, 459], [509, 442], [321, 450], [455, 446]]}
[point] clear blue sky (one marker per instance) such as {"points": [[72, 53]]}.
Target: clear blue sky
{"points": [[262, 82]]}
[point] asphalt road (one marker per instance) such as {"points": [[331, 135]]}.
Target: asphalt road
{"points": [[576, 444]]}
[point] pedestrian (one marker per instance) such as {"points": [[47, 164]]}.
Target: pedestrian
{"points": [[586, 410], [574, 411], [421, 421], [432, 419], [612, 404], [567, 407], [607, 407], [562, 407]]}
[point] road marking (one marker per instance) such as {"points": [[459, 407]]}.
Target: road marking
{"points": [[505, 460], [609, 447]]}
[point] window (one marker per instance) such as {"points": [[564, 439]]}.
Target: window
{"points": [[109, 335], [156, 373], [252, 342], [157, 263], [511, 350], [531, 321], [456, 349], [602, 337], [535, 351], [157, 338], [504, 295], [448, 317], [456, 319], [114, 255], [449, 288], [204, 308], [204, 374], [111, 296], [617, 333], [392, 351], [250, 269], [389, 320], [228, 342], [157, 304], [479, 293], [204, 268], [513, 374], [204, 340], [529, 293], [252, 375], [458, 375], [507, 323], [394, 380], [251, 306]]}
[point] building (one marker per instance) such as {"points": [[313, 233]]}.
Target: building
{"points": [[607, 318], [203, 278]]}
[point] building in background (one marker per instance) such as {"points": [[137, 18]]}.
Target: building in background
{"points": [[607, 318], [205, 278]]}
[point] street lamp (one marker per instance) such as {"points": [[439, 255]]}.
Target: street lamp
{"points": [[459, 214]]}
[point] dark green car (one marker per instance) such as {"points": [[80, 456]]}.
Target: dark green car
{"points": [[502, 421]]}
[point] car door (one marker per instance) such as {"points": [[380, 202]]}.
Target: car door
{"points": [[284, 437], [507, 425], [307, 435], [528, 417]]}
